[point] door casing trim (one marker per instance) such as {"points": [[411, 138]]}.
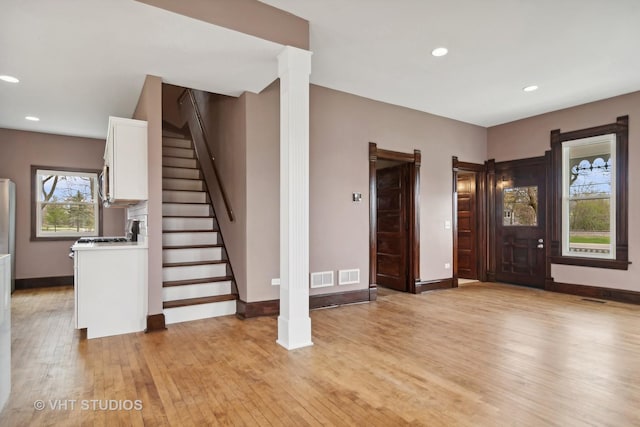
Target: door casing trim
{"points": [[414, 159], [481, 205]]}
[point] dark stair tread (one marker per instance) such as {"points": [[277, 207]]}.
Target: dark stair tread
{"points": [[196, 281], [188, 216], [185, 203], [184, 179], [191, 231], [193, 263], [178, 157], [186, 191], [216, 245], [181, 167], [195, 301]]}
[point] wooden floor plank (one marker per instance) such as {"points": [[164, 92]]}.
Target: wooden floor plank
{"points": [[479, 355]]}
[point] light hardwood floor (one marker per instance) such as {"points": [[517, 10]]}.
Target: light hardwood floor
{"points": [[479, 355]]}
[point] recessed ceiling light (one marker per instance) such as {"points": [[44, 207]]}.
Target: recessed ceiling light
{"points": [[9, 79], [33, 118], [530, 88], [439, 51]]}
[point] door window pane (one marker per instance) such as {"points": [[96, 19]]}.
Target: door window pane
{"points": [[520, 206]]}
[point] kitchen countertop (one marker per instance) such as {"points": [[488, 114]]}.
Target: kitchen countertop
{"points": [[109, 246]]}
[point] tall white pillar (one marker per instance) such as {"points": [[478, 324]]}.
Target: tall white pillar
{"points": [[294, 323]]}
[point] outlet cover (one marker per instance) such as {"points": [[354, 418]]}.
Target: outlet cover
{"points": [[275, 282], [447, 265]]}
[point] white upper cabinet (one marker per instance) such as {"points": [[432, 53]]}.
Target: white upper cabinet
{"points": [[125, 158]]}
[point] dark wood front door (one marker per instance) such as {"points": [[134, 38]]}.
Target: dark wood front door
{"points": [[393, 225], [520, 221], [467, 226]]}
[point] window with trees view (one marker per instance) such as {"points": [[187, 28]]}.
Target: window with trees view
{"points": [[66, 203], [589, 198]]}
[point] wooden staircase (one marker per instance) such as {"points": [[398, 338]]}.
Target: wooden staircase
{"points": [[197, 279]]}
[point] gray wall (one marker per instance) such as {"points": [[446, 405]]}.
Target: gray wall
{"points": [[149, 108], [18, 151], [342, 126], [530, 137]]}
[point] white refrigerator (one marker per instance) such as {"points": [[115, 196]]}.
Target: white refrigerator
{"points": [[8, 224]]}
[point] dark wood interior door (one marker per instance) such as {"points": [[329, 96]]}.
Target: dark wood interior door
{"points": [[467, 226], [520, 221], [393, 226]]}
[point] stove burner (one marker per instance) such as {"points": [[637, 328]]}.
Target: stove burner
{"points": [[102, 240]]}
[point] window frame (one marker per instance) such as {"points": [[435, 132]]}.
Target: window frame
{"points": [[621, 130], [566, 171], [34, 204]]}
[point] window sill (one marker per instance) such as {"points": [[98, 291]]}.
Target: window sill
{"points": [[591, 262], [55, 238]]}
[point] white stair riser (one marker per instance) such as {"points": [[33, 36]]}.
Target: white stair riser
{"points": [[185, 153], [170, 274], [191, 255], [189, 239], [176, 142], [199, 311], [182, 184], [179, 209], [169, 172], [184, 224], [184, 196], [179, 163], [174, 293]]}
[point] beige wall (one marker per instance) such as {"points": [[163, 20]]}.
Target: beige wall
{"points": [[530, 137], [341, 127], [225, 122], [246, 16], [170, 110], [245, 135], [18, 151], [149, 108], [263, 193]]}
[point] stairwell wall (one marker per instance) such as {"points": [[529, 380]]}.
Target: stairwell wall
{"points": [[225, 119], [149, 108], [263, 193]]}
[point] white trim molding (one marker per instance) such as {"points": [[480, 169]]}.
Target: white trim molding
{"points": [[294, 323]]}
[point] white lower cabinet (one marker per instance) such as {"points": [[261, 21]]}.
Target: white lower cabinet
{"points": [[110, 288]]}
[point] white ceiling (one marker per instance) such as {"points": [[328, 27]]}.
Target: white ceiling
{"points": [[80, 61], [576, 51]]}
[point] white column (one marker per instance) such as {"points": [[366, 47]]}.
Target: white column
{"points": [[294, 323]]}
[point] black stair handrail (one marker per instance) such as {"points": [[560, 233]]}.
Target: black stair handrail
{"points": [[200, 143]]}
